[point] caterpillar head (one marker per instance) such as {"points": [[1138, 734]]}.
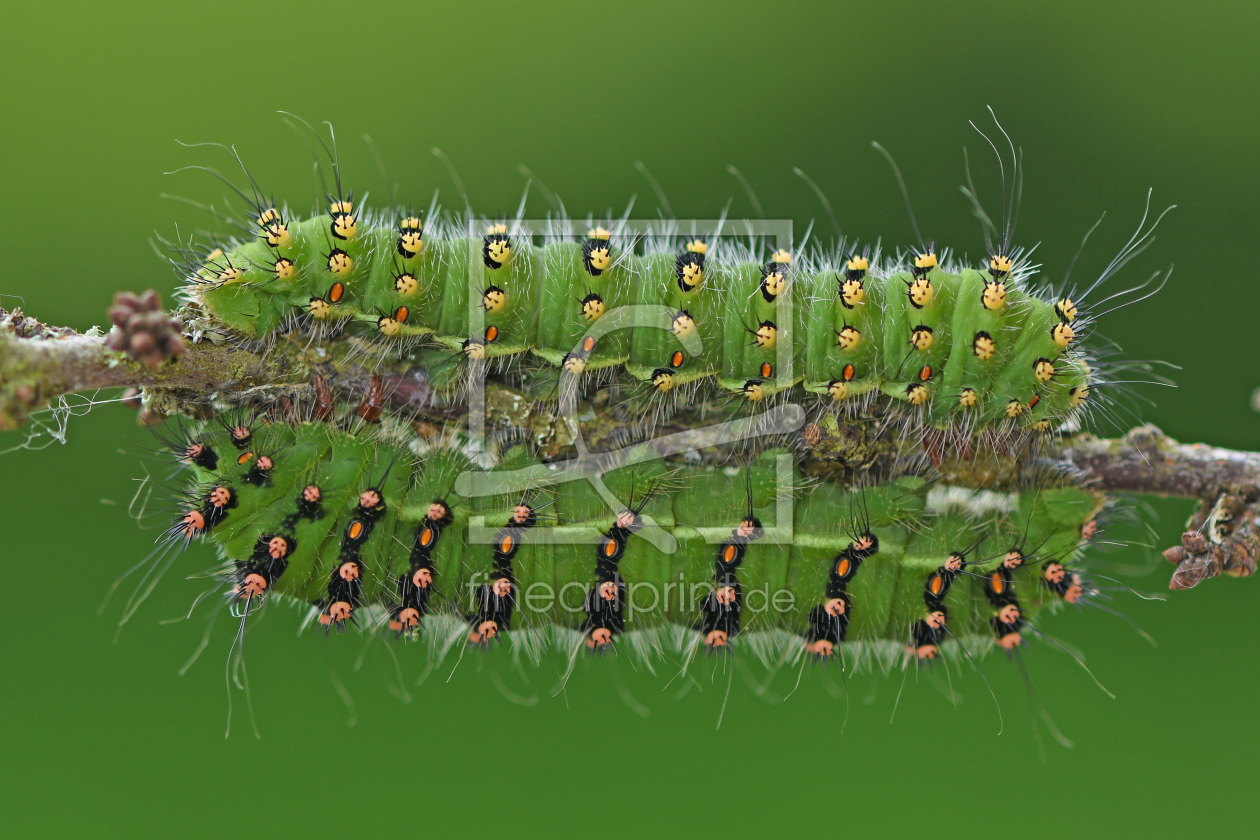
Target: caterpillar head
{"points": [[716, 639]]}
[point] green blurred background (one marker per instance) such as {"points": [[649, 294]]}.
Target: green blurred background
{"points": [[101, 736]]}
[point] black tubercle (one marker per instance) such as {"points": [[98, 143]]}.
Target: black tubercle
{"points": [[825, 627], [262, 561], [1001, 594], [722, 614], [488, 604], [206, 458], [719, 616], [308, 510], [214, 514], [608, 613], [936, 587], [257, 475], [605, 613], [926, 635], [1000, 591], [832, 626]]}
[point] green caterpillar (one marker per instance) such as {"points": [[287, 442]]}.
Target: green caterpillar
{"points": [[957, 346], [372, 520], [366, 528]]}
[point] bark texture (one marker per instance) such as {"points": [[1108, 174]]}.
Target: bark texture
{"points": [[40, 363]]}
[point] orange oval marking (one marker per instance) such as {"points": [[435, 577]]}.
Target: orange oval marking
{"points": [[401, 313], [506, 545], [1033, 402], [610, 548], [356, 528], [492, 333], [925, 373], [588, 343], [728, 554], [937, 585], [245, 458], [335, 293], [426, 537], [676, 360], [842, 568], [997, 583], [849, 372], [767, 370]]}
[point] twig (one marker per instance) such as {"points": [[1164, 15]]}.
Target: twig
{"points": [[39, 363]]}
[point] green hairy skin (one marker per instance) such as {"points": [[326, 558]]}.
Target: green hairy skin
{"points": [[688, 513], [956, 346]]}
